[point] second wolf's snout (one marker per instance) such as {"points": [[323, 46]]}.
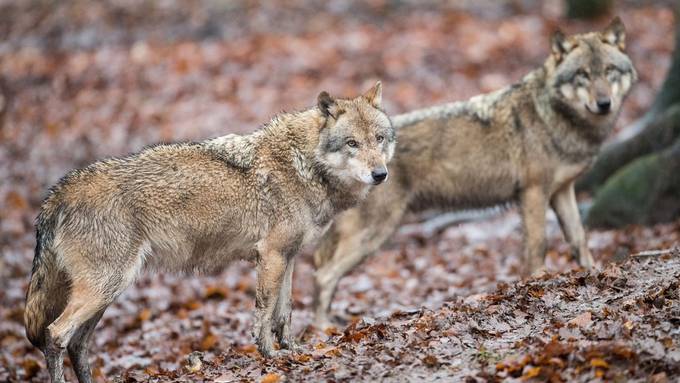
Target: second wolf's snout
{"points": [[604, 104], [379, 175]]}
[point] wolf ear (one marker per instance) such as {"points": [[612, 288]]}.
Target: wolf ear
{"points": [[559, 45], [327, 105], [615, 33], [374, 95]]}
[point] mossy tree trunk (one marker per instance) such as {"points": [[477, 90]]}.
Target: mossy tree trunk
{"points": [[587, 9], [646, 191]]}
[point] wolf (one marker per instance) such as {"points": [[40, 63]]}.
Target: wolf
{"points": [[194, 207], [526, 143]]}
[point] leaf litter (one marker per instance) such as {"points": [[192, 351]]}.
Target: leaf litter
{"points": [[443, 304]]}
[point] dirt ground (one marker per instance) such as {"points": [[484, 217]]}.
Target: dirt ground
{"points": [[85, 80]]}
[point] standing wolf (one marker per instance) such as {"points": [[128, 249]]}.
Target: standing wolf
{"points": [[195, 207], [525, 143]]}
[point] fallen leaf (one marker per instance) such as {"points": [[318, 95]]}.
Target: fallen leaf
{"points": [[208, 342], [193, 305], [247, 348], [144, 315], [598, 362], [531, 372], [270, 378], [431, 361], [582, 321], [31, 368], [215, 292]]}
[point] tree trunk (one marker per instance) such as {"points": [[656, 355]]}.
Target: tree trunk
{"points": [[646, 191], [658, 134], [587, 9], [670, 90]]}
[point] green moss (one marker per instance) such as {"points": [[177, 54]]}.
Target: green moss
{"points": [[627, 196]]}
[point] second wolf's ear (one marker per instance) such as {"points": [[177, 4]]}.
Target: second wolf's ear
{"points": [[327, 105], [559, 45], [374, 95], [615, 33]]}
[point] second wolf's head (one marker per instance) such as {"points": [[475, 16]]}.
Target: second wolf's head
{"points": [[357, 140], [590, 74]]}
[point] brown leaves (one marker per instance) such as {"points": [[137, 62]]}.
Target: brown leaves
{"points": [[130, 86], [144, 315], [431, 361], [271, 378], [531, 372], [358, 331], [598, 362], [31, 368], [247, 349], [14, 200], [583, 320], [216, 292], [208, 340], [536, 291]]}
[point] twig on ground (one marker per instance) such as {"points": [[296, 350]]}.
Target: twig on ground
{"points": [[673, 251]]}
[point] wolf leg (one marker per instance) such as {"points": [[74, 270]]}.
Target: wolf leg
{"points": [[88, 299], [533, 209], [282, 313], [77, 348], [564, 204], [55, 361], [358, 237], [270, 274], [81, 307]]}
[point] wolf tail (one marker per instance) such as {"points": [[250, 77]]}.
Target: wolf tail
{"points": [[50, 284]]}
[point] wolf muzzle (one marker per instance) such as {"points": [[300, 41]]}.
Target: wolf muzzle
{"points": [[379, 175]]}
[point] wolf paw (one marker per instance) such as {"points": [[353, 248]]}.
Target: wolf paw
{"points": [[586, 262]]}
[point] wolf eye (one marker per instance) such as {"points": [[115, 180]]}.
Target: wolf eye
{"points": [[379, 138], [582, 73], [352, 144]]}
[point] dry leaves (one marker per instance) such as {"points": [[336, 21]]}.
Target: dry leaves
{"points": [[85, 80]]}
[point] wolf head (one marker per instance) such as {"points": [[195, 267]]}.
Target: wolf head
{"points": [[357, 140], [590, 74]]}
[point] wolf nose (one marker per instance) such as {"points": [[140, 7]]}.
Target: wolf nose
{"points": [[379, 175], [604, 104]]}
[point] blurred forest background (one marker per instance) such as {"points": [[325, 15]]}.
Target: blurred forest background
{"points": [[83, 80]]}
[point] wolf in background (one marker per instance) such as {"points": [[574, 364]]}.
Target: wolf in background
{"points": [[195, 207], [526, 143]]}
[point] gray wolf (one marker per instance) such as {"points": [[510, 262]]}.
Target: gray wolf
{"points": [[194, 207], [526, 143]]}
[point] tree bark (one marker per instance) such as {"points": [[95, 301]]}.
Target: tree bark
{"points": [[658, 134], [587, 9], [670, 90], [643, 192]]}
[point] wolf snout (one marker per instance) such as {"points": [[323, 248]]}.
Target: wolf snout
{"points": [[379, 175], [604, 105]]}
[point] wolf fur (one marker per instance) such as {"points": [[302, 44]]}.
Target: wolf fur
{"points": [[526, 143], [194, 207]]}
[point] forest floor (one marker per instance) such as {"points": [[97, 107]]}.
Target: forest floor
{"points": [[84, 80]]}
